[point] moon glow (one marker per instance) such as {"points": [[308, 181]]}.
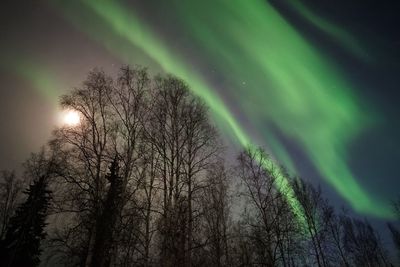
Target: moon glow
{"points": [[71, 118]]}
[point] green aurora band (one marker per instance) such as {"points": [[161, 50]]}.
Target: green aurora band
{"points": [[128, 26], [278, 80], [338, 34], [41, 78]]}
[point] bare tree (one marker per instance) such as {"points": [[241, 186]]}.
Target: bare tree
{"points": [[215, 205], [130, 105], [141, 181], [10, 193], [394, 230], [84, 151], [363, 244], [269, 219], [185, 141], [200, 150], [335, 237], [311, 202], [166, 135], [111, 122], [164, 142]]}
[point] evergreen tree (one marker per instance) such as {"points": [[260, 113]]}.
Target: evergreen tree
{"points": [[21, 245], [106, 222]]}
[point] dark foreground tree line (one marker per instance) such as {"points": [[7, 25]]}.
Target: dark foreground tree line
{"points": [[142, 181]]}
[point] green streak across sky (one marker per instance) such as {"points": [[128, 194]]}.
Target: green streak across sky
{"points": [[338, 34], [278, 80], [38, 75], [126, 25]]}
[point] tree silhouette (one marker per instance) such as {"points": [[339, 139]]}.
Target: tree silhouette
{"points": [[395, 236], [363, 243], [10, 192], [393, 228], [142, 181], [215, 207], [21, 246], [312, 202], [106, 223]]}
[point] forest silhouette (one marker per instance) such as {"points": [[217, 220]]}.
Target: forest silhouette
{"points": [[143, 180]]}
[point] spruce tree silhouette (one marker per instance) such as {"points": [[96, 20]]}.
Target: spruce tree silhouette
{"points": [[108, 219], [21, 246]]}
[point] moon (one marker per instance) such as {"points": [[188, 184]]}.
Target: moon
{"points": [[71, 118]]}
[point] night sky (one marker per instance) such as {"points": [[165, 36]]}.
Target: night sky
{"points": [[315, 82]]}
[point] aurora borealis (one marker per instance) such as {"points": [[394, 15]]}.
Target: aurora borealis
{"points": [[264, 80]]}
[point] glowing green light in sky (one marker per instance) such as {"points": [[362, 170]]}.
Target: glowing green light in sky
{"points": [[125, 24], [288, 83], [40, 77], [341, 36], [278, 78]]}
